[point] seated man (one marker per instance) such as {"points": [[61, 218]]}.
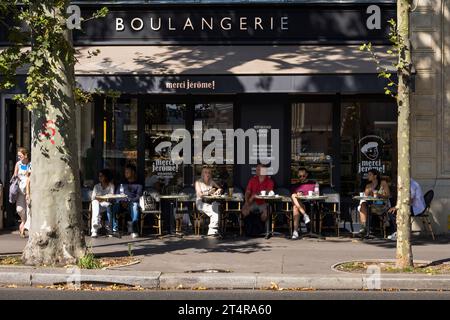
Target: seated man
{"points": [[133, 190], [300, 189], [260, 182], [104, 187], [417, 207]]}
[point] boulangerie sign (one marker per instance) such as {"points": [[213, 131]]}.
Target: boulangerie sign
{"points": [[239, 24]]}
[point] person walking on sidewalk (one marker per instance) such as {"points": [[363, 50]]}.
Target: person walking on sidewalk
{"points": [[22, 171], [104, 187], [205, 186]]}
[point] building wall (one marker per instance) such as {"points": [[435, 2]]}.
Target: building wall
{"points": [[430, 116]]}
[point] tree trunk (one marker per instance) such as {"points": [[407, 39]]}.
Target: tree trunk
{"points": [[404, 251], [56, 237]]}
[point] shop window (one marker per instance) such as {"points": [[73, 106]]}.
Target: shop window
{"points": [[311, 141], [368, 141], [215, 116], [120, 135], [161, 120]]}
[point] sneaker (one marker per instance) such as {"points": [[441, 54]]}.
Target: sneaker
{"points": [[94, 234], [306, 218], [134, 235], [393, 236], [363, 231], [130, 227], [295, 235], [114, 234]]}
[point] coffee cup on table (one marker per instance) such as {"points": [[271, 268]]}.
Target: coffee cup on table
{"points": [[271, 193], [263, 193], [375, 194], [310, 193], [361, 194]]}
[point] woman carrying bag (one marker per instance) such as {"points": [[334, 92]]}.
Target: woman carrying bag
{"points": [[22, 173]]}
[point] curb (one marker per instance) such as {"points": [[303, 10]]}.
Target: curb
{"points": [[250, 281]]}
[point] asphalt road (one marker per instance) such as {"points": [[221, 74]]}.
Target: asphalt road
{"points": [[52, 294]]}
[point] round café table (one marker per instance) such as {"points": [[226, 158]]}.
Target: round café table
{"points": [[173, 199], [270, 199], [370, 202], [315, 201], [111, 198]]}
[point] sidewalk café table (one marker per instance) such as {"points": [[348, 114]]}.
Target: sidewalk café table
{"points": [[270, 199], [315, 201], [174, 199], [111, 198], [370, 202]]}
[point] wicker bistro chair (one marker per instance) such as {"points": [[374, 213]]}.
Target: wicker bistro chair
{"points": [[150, 204], [185, 209], [284, 208], [86, 195], [425, 215], [233, 209], [332, 207]]}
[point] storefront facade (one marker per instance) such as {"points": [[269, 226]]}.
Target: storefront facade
{"points": [[294, 67]]}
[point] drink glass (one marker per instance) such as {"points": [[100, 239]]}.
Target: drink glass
{"points": [[230, 192], [263, 193], [310, 193]]}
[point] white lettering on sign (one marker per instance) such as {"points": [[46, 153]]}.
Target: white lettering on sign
{"points": [[188, 24], [284, 23], [119, 24], [374, 21], [226, 26], [205, 23], [190, 85], [137, 24]]}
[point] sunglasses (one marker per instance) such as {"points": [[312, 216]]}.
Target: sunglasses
{"points": [[302, 176]]}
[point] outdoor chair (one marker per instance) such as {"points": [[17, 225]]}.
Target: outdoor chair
{"points": [[332, 207], [149, 204], [425, 215], [284, 208], [233, 210], [184, 209], [86, 211]]}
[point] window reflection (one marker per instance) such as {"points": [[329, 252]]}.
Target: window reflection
{"points": [[366, 124], [161, 120], [120, 135], [311, 144], [215, 116]]}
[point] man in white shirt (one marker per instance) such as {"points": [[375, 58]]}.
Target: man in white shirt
{"points": [[417, 207]]}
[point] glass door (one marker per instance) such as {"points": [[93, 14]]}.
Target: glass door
{"points": [[311, 141], [161, 120], [215, 116], [120, 135]]}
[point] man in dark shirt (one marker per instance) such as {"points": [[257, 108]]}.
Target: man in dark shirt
{"points": [[133, 191]]}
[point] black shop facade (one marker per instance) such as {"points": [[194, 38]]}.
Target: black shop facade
{"points": [[292, 67]]}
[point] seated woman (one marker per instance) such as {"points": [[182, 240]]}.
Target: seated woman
{"points": [[203, 187], [103, 188], [375, 188]]}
